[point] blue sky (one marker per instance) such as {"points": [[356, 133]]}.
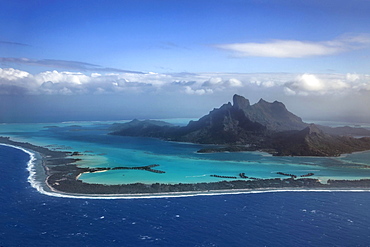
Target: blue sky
{"points": [[196, 51]]}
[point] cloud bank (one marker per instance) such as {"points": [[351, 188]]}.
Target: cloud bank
{"points": [[296, 48], [153, 95], [13, 81]]}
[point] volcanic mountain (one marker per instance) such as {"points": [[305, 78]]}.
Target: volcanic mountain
{"points": [[241, 126]]}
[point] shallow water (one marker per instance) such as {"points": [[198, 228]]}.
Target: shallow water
{"points": [[180, 161]]}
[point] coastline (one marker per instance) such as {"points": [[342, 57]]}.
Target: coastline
{"points": [[40, 159], [61, 180]]}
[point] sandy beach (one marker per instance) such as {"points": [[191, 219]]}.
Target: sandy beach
{"points": [[62, 180]]}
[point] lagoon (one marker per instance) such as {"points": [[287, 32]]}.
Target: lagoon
{"points": [[179, 161]]}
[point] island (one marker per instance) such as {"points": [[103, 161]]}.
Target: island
{"points": [[264, 126]]}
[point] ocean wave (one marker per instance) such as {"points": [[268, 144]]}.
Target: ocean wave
{"points": [[39, 186], [30, 168], [192, 194]]}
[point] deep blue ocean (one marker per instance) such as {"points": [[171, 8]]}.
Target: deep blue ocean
{"points": [[28, 218]]}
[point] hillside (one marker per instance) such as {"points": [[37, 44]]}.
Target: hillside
{"points": [[241, 126], [312, 141]]}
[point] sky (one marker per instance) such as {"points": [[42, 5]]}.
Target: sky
{"points": [[109, 60]]}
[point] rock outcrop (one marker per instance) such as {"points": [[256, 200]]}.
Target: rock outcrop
{"points": [[312, 141], [274, 116], [242, 126]]}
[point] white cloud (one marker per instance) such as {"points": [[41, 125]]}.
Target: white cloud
{"points": [[12, 74], [201, 91], [95, 75], [352, 77], [308, 82], [220, 83], [268, 83], [289, 91], [13, 81], [234, 82], [296, 48], [62, 77], [215, 81], [280, 48], [319, 84]]}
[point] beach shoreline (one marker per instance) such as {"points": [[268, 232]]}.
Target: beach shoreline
{"points": [[61, 180]]}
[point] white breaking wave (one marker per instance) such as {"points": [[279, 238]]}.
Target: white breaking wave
{"points": [[31, 169], [39, 187]]}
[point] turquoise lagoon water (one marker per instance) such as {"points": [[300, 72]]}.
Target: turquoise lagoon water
{"points": [[180, 161]]}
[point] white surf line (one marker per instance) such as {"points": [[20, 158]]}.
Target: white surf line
{"points": [[30, 168], [39, 188], [192, 193]]}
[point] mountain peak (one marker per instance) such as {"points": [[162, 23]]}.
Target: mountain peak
{"points": [[263, 125], [313, 129], [274, 115], [262, 101], [240, 102]]}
